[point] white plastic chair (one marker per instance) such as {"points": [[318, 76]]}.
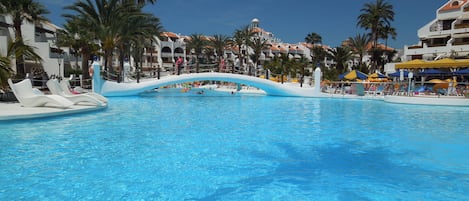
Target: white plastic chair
{"points": [[54, 88], [66, 88], [29, 97]]}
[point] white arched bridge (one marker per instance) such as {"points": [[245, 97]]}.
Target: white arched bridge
{"points": [[109, 88]]}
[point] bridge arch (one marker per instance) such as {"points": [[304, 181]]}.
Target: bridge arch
{"points": [[271, 88]]}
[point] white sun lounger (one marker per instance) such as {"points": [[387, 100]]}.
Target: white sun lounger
{"points": [[66, 88], [29, 97], [54, 88]]}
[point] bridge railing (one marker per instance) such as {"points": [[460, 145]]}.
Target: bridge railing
{"points": [[192, 68]]}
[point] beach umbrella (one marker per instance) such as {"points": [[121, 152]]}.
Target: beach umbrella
{"points": [[341, 76], [398, 74], [378, 75], [417, 63], [353, 75], [436, 81], [462, 72], [431, 72]]}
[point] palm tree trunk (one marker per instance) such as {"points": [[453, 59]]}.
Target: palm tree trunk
{"points": [[197, 63], [84, 65], [20, 67]]}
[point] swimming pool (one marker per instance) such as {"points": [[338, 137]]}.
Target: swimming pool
{"points": [[239, 148]]}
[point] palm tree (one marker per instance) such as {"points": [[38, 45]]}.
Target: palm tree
{"points": [[274, 66], [138, 48], [359, 45], [208, 53], [318, 55], [115, 23], [384, 33], [5, 71], [374, 16], [299, 67], [20, 11], [137, 32], [104, 18], [80, 40], [242, 38], [15, 47], [257, 46], [313, 38], [238, 41], [341, 56], [285, 66], [196, 44], [219, 43]]}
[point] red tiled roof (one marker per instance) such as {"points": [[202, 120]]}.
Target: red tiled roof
{"points": [[453, 5], [275, 47], [257, 30], [379, 46], [169, 34]]}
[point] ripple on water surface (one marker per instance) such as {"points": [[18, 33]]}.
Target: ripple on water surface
{"points": [[239, 148]]}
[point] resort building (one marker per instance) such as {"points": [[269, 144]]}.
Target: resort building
{"points": [[445, 36], [42, 37], [367, 57], [170, 46], [162, 54]]}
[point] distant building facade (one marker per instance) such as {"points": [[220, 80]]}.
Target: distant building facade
{"points": [[171, 46], [445, 36], [42, 37]]}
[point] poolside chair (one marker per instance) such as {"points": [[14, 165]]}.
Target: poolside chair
{"points": [[54, 88], [31, 97], [67, 89]]}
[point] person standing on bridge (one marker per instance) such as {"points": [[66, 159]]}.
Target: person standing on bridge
{"points": [[179, 65]]}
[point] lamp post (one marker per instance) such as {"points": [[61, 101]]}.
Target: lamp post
{"points": [[59, 62], [59, 51]]}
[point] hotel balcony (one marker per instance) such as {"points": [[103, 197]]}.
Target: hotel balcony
{"points": [[429, 52]]}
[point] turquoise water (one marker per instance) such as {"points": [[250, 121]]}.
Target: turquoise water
{"points": [[239, 148]]}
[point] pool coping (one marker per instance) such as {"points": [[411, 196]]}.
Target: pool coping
{"points": [[14, 111]]}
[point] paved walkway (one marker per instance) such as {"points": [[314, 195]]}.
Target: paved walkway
{"points": [[13, 110]]}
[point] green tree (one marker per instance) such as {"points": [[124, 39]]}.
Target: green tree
{"points": [[242, 38], [104, 18], [386, 32], [285, 66], [196, 44], [298, 68], [80, 40], [219, 43], [341, 56], [258, 44], [359, 45], [313, 38], [15, 47], [115, 23], [139, 30], [274, 66], [20, 11], [374, 16], [5, 71], [318, 55]]}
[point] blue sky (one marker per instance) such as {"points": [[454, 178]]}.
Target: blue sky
{"points": [[289, 20]]}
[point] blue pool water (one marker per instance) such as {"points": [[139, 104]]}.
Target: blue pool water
{"points": [[239, 148]]}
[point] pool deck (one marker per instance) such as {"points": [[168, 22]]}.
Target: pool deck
{"points": [[14, 111]]}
